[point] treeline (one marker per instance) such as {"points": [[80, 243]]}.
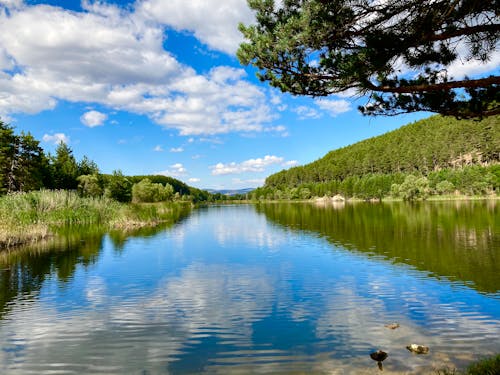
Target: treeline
{"points": [[24, 166], [438, 155], [470, 180]]}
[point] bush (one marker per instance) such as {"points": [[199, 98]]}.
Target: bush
{"points": [[89, 186], [445, 187], [412, 188], [146, 191]]}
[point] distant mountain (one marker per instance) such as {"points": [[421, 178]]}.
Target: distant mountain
{"points": [[230, 192]]}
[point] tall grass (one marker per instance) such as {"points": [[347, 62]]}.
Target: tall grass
{"points": [[28, 217]]}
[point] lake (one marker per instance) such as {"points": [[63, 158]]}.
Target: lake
{"points": [[267, 288]]}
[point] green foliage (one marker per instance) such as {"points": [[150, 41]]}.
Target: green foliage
{"points": [[464, 153], [89, 185], [87, 167], [22, 161], [487, 366], [65, 168], [412, 188], [146, 191], [25, 167], [30, 216], [318, 48], [119, 187]]}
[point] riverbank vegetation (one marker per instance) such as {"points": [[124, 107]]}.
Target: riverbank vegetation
{"points": [[39, 192], [28, 217], [24, 166], [435, 156], [486, 366]]}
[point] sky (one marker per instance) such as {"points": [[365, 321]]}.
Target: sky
{"points": [[154, 87]]}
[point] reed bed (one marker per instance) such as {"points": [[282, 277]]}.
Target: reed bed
{"points": [[29, 217]]}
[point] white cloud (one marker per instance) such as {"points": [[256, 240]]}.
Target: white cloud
{"points": [[290, 163], [176, 149], [194, 179], [158, 148], [175, 170], [459, 68], [305, 112], [93, 119], [333, 107], [116, 58], [56, 138], [251, 165], [213, 22], [11, 3]]}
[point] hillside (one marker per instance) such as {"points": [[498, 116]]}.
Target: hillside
{"points": [[424, 146]]}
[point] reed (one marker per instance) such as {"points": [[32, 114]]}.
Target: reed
{"points": [[28, 217]]}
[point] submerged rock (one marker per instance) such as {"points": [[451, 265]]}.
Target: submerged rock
{"points": [[419, 349]]}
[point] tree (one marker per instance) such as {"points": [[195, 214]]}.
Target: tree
{"points": [[32, 164], [7, 156], [119, 187], [323, 47], [23, 164], [65, 168], [87, 167]]}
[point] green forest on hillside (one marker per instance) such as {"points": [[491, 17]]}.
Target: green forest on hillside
{"points": [[438, 155]]}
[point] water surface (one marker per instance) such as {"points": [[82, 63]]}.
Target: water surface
{"points": [[272, 289]]}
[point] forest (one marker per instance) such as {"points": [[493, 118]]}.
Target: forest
{"points": [[437, 155]]}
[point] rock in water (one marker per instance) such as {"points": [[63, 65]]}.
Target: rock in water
{"points": [[378, 356], [392, 325], [419, 349]]}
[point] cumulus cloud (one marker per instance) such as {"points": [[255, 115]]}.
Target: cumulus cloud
{"points": [[158, 148], [93, 119], [251, 165], [460, 68], [220, 33], [56, 138], [194, 179], [116, 58], [175, 170], [333, 107], [176, 149]]}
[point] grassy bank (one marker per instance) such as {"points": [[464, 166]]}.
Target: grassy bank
{"points": [[29, 217], [486, 366]]}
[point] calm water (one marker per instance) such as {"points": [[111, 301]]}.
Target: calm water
{"points": [[282, 288]]}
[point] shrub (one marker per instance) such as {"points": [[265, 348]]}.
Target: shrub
{"points": [[146, 191]]}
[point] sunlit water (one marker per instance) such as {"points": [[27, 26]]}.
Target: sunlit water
{"points": [[267, 289]]}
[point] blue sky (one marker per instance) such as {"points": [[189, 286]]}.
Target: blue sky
{"points": [[153, 86]]}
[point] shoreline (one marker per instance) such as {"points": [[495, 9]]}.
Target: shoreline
{"points": [[129, 216]]}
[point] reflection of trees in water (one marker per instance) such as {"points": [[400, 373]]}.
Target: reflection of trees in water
{"points": [[458, 240], [23, 270]]}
